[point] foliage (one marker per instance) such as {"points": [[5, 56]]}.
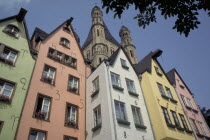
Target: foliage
{"points": [[186, 11]]}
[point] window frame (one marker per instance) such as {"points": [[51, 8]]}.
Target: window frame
{"points": [[96, 88], [160, 85], [159, 73], [184, 123], [169, 95], [202, 128], [64, 42], [7, 60], [139, 115], [119, 80], [49, 108], [175, 118], [166, 114], [133, 84], [10, 32], [99, 120], [74, 138], [38, 130], [72, 90], [194, 126], [120, 110], [77, 116], [45, 79], [13, 90]]}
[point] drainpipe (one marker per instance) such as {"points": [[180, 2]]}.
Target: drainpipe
{"points": [[140, 78], [111, 99]]}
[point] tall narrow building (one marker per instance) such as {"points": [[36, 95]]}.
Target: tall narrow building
{"points": [[127, 44], [197, 122], [16, 67], [100, 44], [55, 105], [116, 108]]}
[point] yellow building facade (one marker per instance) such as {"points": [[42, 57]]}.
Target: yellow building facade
{"points": [[167, 116]]}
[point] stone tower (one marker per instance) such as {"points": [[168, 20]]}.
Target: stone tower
{"points": [[100, 44], [127, 44]]}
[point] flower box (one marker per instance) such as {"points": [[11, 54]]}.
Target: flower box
{"points": [[41, 115], [94, 93], [117, 88], [133, 93], [71, 123], [5, 98], [125, 122], [140, 126]]}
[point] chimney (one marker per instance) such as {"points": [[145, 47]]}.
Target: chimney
{"points": [[21, 15]]}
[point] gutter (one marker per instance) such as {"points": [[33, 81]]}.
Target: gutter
{"points": [[111, 99]]}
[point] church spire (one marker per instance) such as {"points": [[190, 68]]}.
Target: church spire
{"points": [[97, 16], [127, 43]]}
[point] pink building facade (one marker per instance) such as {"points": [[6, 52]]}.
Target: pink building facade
{"points": [[55, 104], [197, 122]]}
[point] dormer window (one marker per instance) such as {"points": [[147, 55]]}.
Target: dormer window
{"points": [[158, 71], [180, 83], [12, 30], [65, 42], [124, 64], [66, 29]]}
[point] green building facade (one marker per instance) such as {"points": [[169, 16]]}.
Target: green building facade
{"points": [[16, 67]]}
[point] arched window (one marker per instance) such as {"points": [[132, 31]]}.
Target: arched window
{"points": [[65, 42], [131, 53], [66, 29], [88, 54], [12, 30], [97, 32]]}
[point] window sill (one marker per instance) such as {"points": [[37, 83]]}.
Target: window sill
{"points": [[171, 125], [73, 91], [6, 61], [70, 125], [95, 93], [123, 122], [189, 108], [164, 96], [140, 126], [117, 87], [6, 101], [200, 135], [194, 110], [133, 93], [41, 119], [179, 128], [96, 127], [125, 67], [173, 101], [188, 131], [46, 81]]}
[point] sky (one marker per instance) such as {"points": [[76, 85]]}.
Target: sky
{"points": [[190, 56]]}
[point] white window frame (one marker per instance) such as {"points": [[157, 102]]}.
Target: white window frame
{"points": [[97, 116], [194, 125], [137, 116], [48, 73], [48, 107], [116, 81], [161, 89], [65, 42], [202, 128], [169, 93], [184, 123], [130, 85], [166, 115], [184, 100], [37, 135], [73, 82], [4, 86], [71, 113], [122, 110], [190, 103], [176, 120], [95, 84], [12, 29], [123, 62], [7, 56]]}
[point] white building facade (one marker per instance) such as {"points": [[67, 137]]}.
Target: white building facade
{"points": [[115, 104]]}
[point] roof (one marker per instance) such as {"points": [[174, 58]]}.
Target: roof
{"points": [[171, 77], [108, 37], [38, 33], [146, 63]]}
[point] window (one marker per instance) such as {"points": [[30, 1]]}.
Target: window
{"points": [[194, 126], [69, 138], [12, 30], [1, 125], [137, 115], [66, 29], [88, 54], [184, 123], [160, 87], [95, 84], [65, 42], [62, 58], [48, 74], [176, 120], [37, 135], [190, 103], [180, 83], [166, 116], [158, 71], [131, 53], [42, 107], [123, 63], [100, 60], [115, 79], [8, 55], [120, 110], [169, 93], [130, 85], [112, 51], [73, 84], [6, 90], [184, 100], [97, 32], [202, 128], [71, 116], [97, 116]]}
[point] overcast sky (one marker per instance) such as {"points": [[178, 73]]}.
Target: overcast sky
{"points": [[190, 56]]}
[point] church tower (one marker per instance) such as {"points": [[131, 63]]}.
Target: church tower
{"points": [[100, 44], [127, 44]]}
